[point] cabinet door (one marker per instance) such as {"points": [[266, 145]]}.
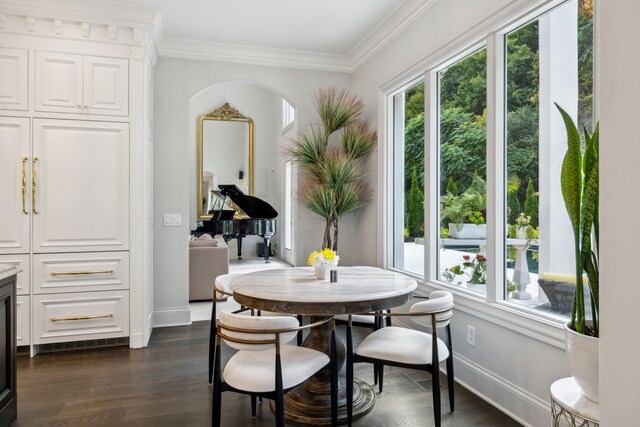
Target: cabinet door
{"points": [[14, 81], [58, 82], [15, 185], [106, 86], [82, 186]]}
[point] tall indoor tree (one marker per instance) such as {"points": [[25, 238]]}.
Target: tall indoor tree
{"points": [[331, 155]]}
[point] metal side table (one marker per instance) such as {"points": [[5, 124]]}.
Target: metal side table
{"points": [[568, 405]]}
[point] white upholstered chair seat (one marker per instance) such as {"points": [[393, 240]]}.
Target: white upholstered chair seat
{"points": [[401, 345], [254, 371]]}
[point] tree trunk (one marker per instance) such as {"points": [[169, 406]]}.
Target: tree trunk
{"points": [[326, 241], [335, 234]]}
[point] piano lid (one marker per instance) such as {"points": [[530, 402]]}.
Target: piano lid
{"points": [[252, 206]]}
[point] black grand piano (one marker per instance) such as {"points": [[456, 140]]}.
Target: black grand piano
{"points": [[254, 218]]}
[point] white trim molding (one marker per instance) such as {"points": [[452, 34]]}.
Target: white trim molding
{"points": [[239, 54]]}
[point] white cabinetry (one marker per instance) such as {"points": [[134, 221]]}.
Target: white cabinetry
{"points": [[74, 215], [81, 84], [81, 191], [15, 184], [14, 81]]}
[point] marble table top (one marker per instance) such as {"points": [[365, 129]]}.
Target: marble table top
{"points": [[296, 290], [7, 270]]}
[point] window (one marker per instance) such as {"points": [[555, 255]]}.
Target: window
{"points": [[408, 170], [547, 61], [288, 114], [496, 163], [462, 114], [288, 206]]}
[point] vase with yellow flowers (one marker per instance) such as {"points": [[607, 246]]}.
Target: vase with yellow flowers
{"points": [[323, 261]]}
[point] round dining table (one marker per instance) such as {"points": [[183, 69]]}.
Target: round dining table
{"points": [[358, 290]]}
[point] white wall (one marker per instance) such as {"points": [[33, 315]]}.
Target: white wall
{"points": [[177, 82], [619, 67], [512, 365]]}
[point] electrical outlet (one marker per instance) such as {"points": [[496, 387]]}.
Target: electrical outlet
{"points": [[471, 335], [172, 220]]}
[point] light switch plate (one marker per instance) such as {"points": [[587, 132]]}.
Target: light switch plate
{"points": [[172, 220]]}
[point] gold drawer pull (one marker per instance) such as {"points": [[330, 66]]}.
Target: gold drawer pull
{"points": [[86, 317], [80, 273], [34, 185], [24, 185]]}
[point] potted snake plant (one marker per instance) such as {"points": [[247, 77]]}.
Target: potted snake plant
{"points": [[580, 182]]}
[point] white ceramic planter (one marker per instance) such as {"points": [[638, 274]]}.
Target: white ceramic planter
{"points": [[584, 358], [322, 271], [468, 231]]}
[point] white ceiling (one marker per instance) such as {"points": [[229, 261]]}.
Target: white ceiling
{"points": [[336, 35], [314, 26], [322, 34]]}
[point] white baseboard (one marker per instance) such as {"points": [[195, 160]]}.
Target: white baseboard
{"points": [[171, 317], [524, 407]]}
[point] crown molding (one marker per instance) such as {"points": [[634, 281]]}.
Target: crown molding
{"points": [[403, 16], [115, 13], [212, 51], [398, 20]]}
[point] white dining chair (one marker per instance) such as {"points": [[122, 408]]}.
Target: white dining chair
{"points": [[409, 348], [222, 287], [265, 365]]}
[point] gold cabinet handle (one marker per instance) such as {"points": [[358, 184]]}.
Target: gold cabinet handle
{"points": [[85, 317], [80, 273], [24, 185], [34, 185]]}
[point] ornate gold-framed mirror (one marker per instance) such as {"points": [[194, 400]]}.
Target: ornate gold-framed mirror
{"points": [[225, 155]]}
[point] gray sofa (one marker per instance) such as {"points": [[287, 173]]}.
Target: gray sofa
{"points": [[208, 258]]}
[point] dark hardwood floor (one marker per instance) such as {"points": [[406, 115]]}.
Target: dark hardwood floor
{"points": [[165, 384]]}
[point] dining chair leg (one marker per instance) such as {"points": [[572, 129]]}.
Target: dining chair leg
{"points": [[299, 337], [375, 375], [279, 392], [350, 377], [380, 376], [450, 377], [334, 377], [217, 391], [253, 405], [435, 390], [212, 336]]}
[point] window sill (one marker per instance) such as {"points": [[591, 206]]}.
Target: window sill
{"points": [[539, 326], [287, 128]]}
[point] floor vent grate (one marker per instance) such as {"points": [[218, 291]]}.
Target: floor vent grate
{"points": [[83, 345]]}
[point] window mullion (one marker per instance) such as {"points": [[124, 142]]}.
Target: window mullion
{"points": [[431, 175], [495, 167]]}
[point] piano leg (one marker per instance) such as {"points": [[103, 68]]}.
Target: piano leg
{"points": [[267, 250], [239, 239]]}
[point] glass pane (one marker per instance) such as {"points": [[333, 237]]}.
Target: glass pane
{"points": [[408, 218], [548, 61], [462, 152]]}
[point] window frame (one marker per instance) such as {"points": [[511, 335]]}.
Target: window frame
{"points": [[288, 115], [543, 326]]}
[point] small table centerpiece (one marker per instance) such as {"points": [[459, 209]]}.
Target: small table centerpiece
{"points": [[323, 261]]}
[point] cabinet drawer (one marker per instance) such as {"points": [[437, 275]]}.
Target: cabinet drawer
{"points": [[103, 271], [22, 262], [23, 320], [81, 316]]}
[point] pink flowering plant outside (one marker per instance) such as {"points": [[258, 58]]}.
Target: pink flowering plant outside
{"points": [[474, 270]]}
